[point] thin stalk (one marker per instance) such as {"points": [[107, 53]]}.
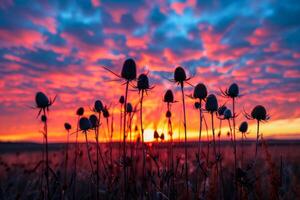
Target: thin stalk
{"points": [[97, 133], [121, 116], [66, 164], [97, 153], [130, 132], [257, 137], [200, 130], [110, 141], [75, 160], [47, 157], [213, 133], [220, 133], [234, 143], [88, 152], [124, 142], [142, 130], [242, 157], [185, 142]]}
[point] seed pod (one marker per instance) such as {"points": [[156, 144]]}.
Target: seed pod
{"points": [[84, 124], [122, 100], [143, 82], [211, 104], [233, 90], [156, 135], [221, 110], [227, 114], [162, 136], [168, 114], [179, 75], [243, 127], [129, 70], [259, 113], [169, 97], [43, 118], [94, 121], [200, 91], [41, 100], [105, 112], [80, 111], [67, 126], [129, 108], [197, 105], [98, 106]]}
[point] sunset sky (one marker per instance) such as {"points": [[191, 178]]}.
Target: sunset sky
{"points": [[60, 49]]}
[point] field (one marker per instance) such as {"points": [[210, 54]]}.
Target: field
{"points": [[276, 174]]}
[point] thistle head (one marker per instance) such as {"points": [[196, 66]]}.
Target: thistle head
{"points": [[94, 121], [105, 112], [168, 114], [243, 127], [169, 97], [233, 90], [162, 136], [84, 124], [129, 70], [179, 75], [129, 108], [259, 113], [156, 135], [221, 110], [44, 118], [41, 100], [122, 100], [98, 106], [143, 82], [80, 111], [227, 114], [200, 91], [67, 126], [211, 104], [197, 105]]}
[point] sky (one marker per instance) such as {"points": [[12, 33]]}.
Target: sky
{"points": [[60, 48]]}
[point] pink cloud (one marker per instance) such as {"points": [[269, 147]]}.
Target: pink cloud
{"points": [[49, 23], [21, 38], [96, 3]]}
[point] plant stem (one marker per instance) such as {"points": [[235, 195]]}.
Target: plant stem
{"points": [[88, 152], [66, 163], [47, 157], [234, 143], [142, 130], [213, 133], [124, 142], [75, 160], [257, 137], [185, 142], [200, 130], [121, 116]]}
